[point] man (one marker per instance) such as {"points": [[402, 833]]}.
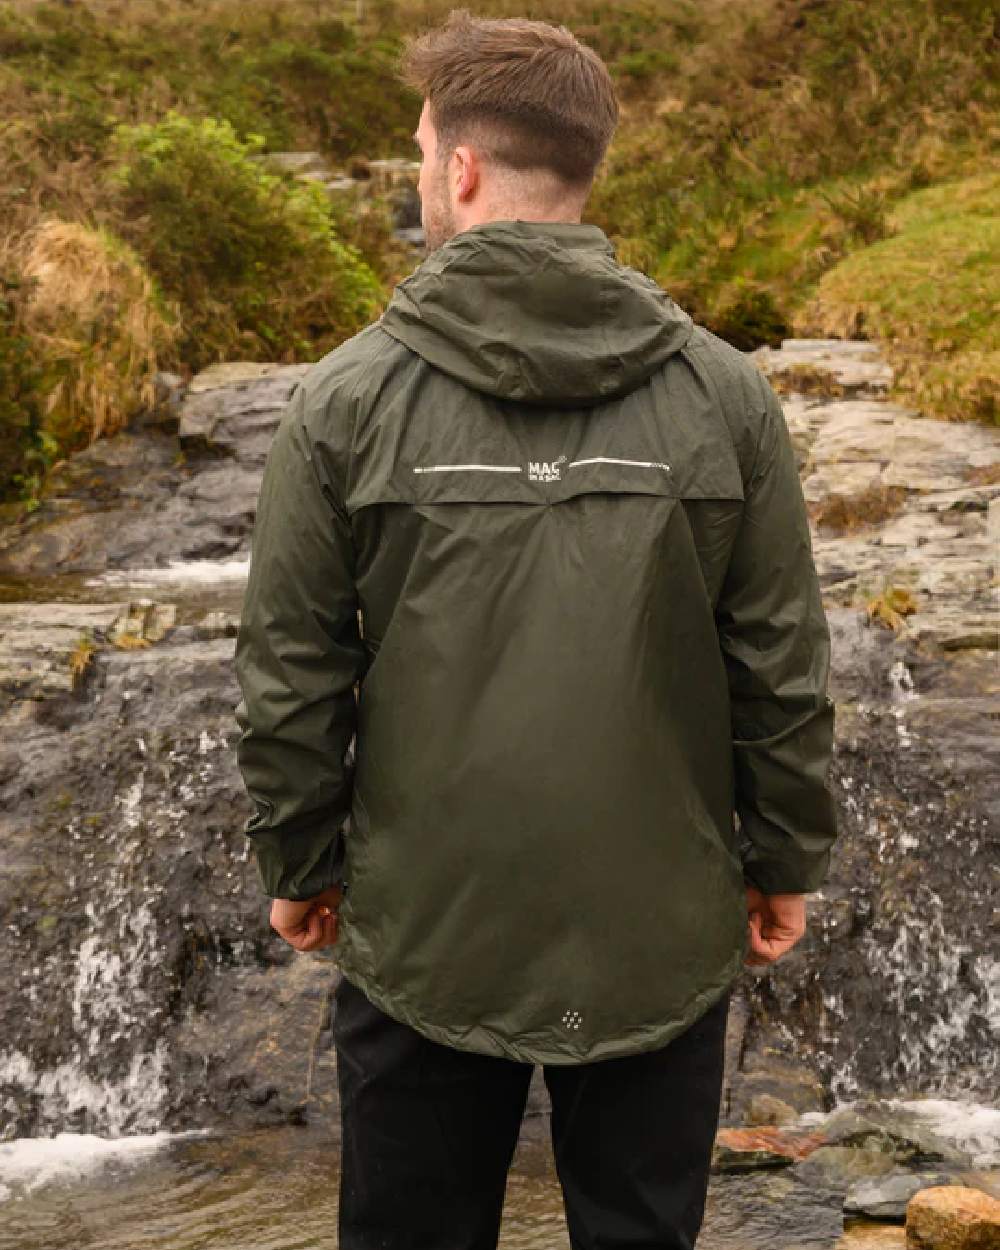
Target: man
{"points": [[590, 631]]}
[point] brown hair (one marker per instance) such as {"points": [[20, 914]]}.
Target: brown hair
{"points": [[529, 93]]}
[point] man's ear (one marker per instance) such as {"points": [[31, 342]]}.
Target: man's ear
{"points": [[467, 173]]}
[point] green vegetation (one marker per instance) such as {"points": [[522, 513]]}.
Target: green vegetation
{"points": [[25, 448], [252, 258], [930, 291], [781, 164]]}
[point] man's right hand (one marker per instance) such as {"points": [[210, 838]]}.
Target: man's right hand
{"points": [[776, 921], [308, 924]]}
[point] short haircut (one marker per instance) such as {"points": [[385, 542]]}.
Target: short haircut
{"points": [[528, 93]]}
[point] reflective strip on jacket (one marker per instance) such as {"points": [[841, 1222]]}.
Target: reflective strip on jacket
{"points": [[531, 612]]}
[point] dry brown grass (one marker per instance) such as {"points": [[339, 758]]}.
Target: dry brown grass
{"points": [[80, 659], [890, 607], [847, 513], [98, 325], [982, 474]]}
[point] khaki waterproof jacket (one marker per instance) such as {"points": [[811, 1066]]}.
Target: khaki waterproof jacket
{"points": [[590, 632]]}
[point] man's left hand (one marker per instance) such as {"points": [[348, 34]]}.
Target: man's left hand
{"points": [[776, 922], [308, 924]]}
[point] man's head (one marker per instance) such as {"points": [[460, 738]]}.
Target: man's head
{"points": [[516, 119]]}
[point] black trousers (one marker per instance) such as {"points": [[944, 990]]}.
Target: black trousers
{"points": [[429, 1133]]}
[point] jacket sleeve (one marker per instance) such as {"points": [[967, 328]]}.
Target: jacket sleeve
{"points": [[298, 655], [775, 641]]}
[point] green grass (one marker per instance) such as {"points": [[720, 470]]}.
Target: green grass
{"points": [[931, 292]]}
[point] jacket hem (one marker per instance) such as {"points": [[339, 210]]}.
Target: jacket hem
{"points": [[482, 1040]]}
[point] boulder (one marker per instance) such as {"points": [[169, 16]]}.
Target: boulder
{"points": [[952, 1217]]}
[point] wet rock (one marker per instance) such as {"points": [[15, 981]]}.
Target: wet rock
{"points": [[891, 932], [124, 821], [769, 1209], [893, 1130], [149, 498], [951, 1217], [886, 1197], [765, 1076], [143, 621], [865, 1236], [836, 1167], [46, 648], [218, 625], [765, 1109], [744, 1149]]}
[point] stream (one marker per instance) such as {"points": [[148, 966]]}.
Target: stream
{"points": [[276, 1189]]}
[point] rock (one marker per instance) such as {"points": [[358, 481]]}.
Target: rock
{"points": [[848, 478], [168, 391], [137, 499], [387, 175], [838, 1166], [763, 1075], [951, 1217], [894, 1131], [123, 818], [236, 408], [993, 521], [47, 648], [832, 366], [143, 621], [968, 633], [300, 164], [986, 1179], [743, 1149], [230, 373], [764, 1110], [965, 499], [218, 625], [864, 1236], [885, 1198]]}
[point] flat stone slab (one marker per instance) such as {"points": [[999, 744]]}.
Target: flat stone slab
{"points": [[38, 642], [848, 368], [233, 373], [745, 1149], [236, 409], [45, 647]]}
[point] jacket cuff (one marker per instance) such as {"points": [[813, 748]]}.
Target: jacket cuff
{"points": [[772, 877], [299, 881]]}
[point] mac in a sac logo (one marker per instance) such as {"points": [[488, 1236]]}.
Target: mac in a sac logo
{"points": [[545, 470]]}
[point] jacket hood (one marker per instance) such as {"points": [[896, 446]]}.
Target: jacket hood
{"points": [[538, 312]]}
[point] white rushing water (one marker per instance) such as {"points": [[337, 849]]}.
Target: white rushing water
{"points": [[110, 1071], [28, 1164], [970, 1127], [176, 573]]}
